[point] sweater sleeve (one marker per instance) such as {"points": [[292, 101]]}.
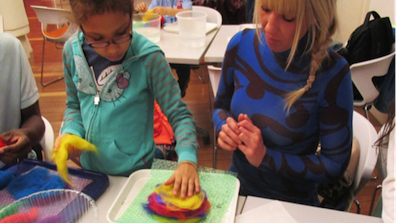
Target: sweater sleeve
{"points": [[167, 94], [222, 101], [72, 121], [389, 184]]}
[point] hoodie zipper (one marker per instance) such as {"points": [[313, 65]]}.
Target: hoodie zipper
{"points": [[96, 103], [97, 98]]}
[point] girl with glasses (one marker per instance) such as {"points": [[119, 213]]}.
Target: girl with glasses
{"points": [[113, 75]]}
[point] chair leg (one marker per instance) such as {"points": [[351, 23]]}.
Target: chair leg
{"points": [[214, 128], [366, 109], [357, 205], [196, 70], [214, 148], [42, 69], [206, 137], [373, 199]]}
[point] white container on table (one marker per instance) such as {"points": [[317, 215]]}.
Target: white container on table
{"points": [[192, 28]]}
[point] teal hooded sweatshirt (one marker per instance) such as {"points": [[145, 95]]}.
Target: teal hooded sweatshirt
{"points": [[118, 119]]}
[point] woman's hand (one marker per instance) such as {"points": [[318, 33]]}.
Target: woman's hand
{"points": [[142, 7], [17, 146], [252, 142], [186, 179], [73, 153], [229, 135]]}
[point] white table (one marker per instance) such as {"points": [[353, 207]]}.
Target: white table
{"points": [[301, 213], [217, 49], [106, 200], [175, 53], [309, 214]]}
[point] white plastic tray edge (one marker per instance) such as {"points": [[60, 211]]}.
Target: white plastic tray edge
{"points": [[125, 195]]}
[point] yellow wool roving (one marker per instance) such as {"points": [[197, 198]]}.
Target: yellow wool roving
{"points": [[148, 16], [190, 203], [60, 155]]}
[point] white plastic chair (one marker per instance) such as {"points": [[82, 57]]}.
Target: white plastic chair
{"points": [[62, 19], [366, 136], [214, 78], [362, 74], [16, 22], [47, 142], [214, 16]]}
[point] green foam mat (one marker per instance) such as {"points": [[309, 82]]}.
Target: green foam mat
{"points": [[219, 185]]}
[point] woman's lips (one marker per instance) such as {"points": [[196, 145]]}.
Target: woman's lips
{"points": [[270, 39]]}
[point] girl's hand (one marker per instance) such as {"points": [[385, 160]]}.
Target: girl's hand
{"points": [[142, 7], [252, 146], [74, 154], [161, 10], [186, 179], [229, 135]]}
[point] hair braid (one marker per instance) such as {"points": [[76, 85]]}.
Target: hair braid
{"points": [[319, 53]]}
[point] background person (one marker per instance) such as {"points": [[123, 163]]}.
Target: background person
{"points": [[168, 9], [386, 145], [21, 125]]}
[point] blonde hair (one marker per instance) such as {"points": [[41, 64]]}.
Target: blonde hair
{"points": [[320, 16]]}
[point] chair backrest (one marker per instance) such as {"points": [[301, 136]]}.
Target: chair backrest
{"points": [[214, 76], [15, 20], [47, 142], [213, 15], [362, 74], [366, 136], [55, 16]]}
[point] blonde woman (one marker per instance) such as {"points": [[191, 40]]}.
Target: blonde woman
{"points": [[281, 92]]}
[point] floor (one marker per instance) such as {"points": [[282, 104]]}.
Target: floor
{"points": [[52, 100]]}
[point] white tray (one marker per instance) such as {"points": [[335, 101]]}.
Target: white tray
{"points": [[136, 182], [174, 28]]}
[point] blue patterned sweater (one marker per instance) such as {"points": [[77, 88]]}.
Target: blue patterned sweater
{"points": [[254, 82]]}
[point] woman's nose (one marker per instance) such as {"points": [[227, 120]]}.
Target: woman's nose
{"points": [[273, 22]]}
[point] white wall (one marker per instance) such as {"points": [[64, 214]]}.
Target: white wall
{"points": [[351, 14], [384, 8]]}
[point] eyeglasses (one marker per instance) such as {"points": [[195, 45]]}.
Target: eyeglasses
{"points": [[122, 39]]}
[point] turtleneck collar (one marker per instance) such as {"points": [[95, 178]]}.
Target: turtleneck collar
{"points": [[301, 58]]}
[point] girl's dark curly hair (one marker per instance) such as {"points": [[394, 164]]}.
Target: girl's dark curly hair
{"points": [[83, 9]]}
